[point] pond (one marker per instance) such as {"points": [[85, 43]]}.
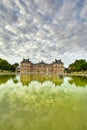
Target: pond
{"points": [[43, 102]]}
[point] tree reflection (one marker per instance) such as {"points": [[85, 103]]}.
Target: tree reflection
{"points": [[15, 81], [27, 78], [78, 81], [5, 78]]}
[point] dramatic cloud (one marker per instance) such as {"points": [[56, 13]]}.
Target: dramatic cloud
{"points": [[43, 30]]}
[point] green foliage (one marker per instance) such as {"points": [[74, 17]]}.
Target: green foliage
{"points": [[67, 70], [14, 66], [4, 65], [78, 65]]}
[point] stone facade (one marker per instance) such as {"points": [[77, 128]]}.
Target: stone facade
{"points": [[26, 66]]}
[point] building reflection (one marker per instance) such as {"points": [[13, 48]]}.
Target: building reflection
{"points": [[25, 79]]}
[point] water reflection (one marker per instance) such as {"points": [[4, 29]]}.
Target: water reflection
{"points": [[25, 79], [79, 81], [15, 81], [43, 105], [28, 79], [4, 78]]}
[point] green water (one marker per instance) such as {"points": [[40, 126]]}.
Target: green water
{"points": [[41, 102]]}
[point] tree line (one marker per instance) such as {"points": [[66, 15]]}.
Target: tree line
{"points": [[78, 66], [5, 65]]}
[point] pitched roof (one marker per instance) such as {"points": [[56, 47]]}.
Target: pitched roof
{"points": [[25, 61], [42, 62], [58, 61]]}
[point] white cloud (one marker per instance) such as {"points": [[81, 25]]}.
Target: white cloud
{"points": [[84, 11], [43, 30]]}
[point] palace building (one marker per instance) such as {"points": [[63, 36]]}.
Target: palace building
{"points": [[56, 67]]}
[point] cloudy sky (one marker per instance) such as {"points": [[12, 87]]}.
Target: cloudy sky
{"points": [[43, 30]]}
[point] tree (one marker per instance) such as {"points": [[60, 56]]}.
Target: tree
{"points": [[4, 65], [14, 67], [78, 65]]}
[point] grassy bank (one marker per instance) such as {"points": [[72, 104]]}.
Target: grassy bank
{"points": [[8, 73], [75, 74]]}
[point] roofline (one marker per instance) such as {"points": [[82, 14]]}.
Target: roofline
{"points": [[41, 62]]}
